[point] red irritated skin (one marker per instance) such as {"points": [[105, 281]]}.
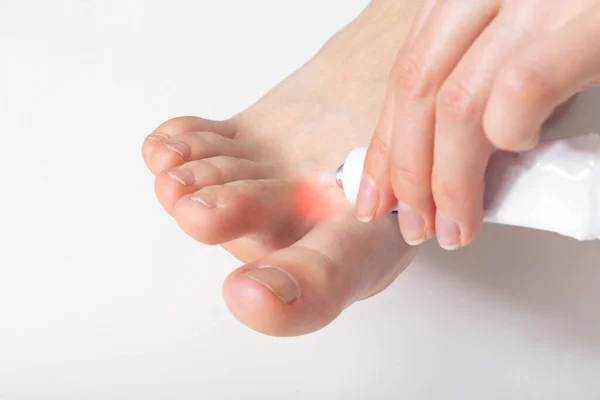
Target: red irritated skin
{"points": [[314, 202]]}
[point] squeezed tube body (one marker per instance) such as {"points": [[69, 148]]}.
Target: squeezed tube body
{"points": [[555, 187]]}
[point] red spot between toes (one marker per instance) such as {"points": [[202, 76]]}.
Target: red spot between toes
{"points": [[312, 202]]}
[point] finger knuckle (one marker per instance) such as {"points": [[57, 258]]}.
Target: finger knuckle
{"points": [[379, 147], [447, 191], [457, 103], [524, 85], [407, 179], [411, 76]]}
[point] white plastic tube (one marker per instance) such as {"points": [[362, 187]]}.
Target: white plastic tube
{"points": [[555, 187]]}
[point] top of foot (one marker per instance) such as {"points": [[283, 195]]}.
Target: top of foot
{"points": [[252, 184]]}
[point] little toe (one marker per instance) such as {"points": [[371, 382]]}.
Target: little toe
{"points": [[302, 288], [179, 125], [219, 214], [177, 150], [171, 185]]}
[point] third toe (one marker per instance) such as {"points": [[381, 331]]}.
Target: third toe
{"points": [[221, 213], [192, 176]]}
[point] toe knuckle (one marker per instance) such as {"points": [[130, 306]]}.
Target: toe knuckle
{"points": [[207, 138], [524, 85], [243, 189], [210, 172], [328, 272], [457, 103], [204, 138], [324, 269], [411, 76]]}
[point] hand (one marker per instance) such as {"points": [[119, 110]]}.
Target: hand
{"points": [[472, 74]]}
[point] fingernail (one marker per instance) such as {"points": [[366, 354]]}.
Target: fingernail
{"points": [[180, 148], [447, 232], [156, 137], [182, 176], [206, 199], [368, 199], [412, 225], [278, 281]]}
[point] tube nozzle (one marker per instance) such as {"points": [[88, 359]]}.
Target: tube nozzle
{"points": [[338, 176]]}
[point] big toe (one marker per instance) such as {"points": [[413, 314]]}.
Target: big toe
{"points": [[302, 288]]}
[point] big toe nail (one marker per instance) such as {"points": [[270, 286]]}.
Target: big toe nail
{"points": [[302, 288]]}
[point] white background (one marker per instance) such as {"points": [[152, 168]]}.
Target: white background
{"points": [[102, 296]]}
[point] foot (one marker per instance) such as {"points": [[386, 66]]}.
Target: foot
{"points": [[260, 183]]}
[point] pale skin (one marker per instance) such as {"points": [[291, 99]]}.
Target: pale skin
{"points": [[471, 75], [231, 183]]}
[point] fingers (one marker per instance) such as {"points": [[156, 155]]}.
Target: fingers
{"points": [[465, 81], [461, 149], [376, 196], [421, 70], [302, 288], [539, 78]]}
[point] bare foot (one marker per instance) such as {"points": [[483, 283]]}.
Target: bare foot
{"points": [[248, 183]]}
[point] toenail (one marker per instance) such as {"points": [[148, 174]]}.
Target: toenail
{"points": [[206, 199], [182, 176], [280, 282], [180, 148], [368, 199], [447, 232], [156, 137], [412, 225]]}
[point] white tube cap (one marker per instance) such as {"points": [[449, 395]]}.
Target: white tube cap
{"points": [[351, 173]]}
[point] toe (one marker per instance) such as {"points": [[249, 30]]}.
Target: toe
{"points": [[221, 213], [179, 125], [304, 287], [171, 185], [174, 151]]}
